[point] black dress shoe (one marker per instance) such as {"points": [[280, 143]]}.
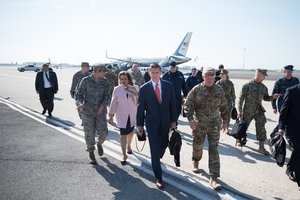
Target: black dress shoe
{"points": [[159, 184], [291, 175], [44, 111]]}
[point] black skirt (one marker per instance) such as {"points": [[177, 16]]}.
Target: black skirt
{"points": [[128, 129]]}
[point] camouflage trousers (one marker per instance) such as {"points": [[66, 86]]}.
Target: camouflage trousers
{"points": [[260, 121], [213, 135], [91, 126]]}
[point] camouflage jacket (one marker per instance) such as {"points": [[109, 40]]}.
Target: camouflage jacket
{"points": [[251, 97], [280, 87], [228, 88], [112, 81], [77, 77], [92, 93], [206, 105], [138, 77]]}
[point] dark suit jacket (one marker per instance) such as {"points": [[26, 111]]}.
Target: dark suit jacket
{"points": [[157, 116], [289, 118], [39, 81]]}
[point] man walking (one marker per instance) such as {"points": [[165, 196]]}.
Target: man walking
{"points": [[92, 100], [205, 108], [78, 76], [177, 79], [137, 75], [156, 107], [46, 85], [289, 123], [250, 106]]}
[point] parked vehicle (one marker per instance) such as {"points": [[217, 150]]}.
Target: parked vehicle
{"points": [[29, 68]]}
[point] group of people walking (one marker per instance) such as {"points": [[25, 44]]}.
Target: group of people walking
{"points": [[157, 104]]}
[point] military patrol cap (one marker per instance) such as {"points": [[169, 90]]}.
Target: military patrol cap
{"points": [[173, 64], [289, 67], [100, 67], [224, 71], [262, 71], [83, 64], [208, 71]]}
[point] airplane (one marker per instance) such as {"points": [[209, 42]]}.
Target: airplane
{"points": [[179, 56]]}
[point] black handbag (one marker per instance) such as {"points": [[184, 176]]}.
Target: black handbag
{"points": [[278, 148], [239, 130], [142, 137], [233, 113]]}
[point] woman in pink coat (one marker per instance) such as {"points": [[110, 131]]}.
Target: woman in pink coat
{"points": [[124, 106]]}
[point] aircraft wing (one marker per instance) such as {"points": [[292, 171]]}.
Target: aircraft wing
{"points": [[129, 61]]}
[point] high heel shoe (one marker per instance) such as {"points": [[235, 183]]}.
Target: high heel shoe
{"points": [[124, 161]]}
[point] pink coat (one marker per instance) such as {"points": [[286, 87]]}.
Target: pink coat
{"points": [[122, 106]]}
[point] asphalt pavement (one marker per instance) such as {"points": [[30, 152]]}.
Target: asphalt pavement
{"points": [[37, 161]]}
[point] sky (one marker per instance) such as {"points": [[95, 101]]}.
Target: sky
{"points": [[236, 33]]}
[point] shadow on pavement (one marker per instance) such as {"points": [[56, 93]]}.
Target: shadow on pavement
{"points": [[122, 181]]}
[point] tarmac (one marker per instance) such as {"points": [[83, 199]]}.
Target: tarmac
{"points": [[245, 174]]}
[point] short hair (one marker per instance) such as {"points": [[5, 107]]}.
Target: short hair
{"points": [[221, 66], [155, 66], [46, 65], [129, 76]]}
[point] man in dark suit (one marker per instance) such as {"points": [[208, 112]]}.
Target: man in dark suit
{"points": [[46, 86], [289, 123], [157, 107]]}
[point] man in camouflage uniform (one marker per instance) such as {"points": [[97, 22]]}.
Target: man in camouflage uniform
{"points": [[205, 107], [250, 106], [228, 88], [137, 75], [112, 79], [78, 76], [92, 99]]}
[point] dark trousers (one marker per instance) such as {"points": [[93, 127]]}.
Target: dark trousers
{"points": [[46, 99], [294, 162], [158, 141]]}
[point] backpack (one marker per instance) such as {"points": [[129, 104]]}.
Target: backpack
{"points": [[239, 131]]}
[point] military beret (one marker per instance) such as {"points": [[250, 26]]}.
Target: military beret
{"points": [[262, 71], [289, 67], [208, 71], [85, 64], [100, 67], [224, 71]]}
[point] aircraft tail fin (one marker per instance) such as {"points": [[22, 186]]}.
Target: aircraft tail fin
{"points": [[184, 45]]}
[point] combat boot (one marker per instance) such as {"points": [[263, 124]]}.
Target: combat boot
{"points": [[196, 167], [100, 149], [262, 149], [214, 184], [92, 158]]}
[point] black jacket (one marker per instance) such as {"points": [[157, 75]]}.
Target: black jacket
{"points": [[175, 146], [39, 81]]}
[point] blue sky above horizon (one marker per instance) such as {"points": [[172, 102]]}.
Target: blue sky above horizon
{"points": [[72, 31]]}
